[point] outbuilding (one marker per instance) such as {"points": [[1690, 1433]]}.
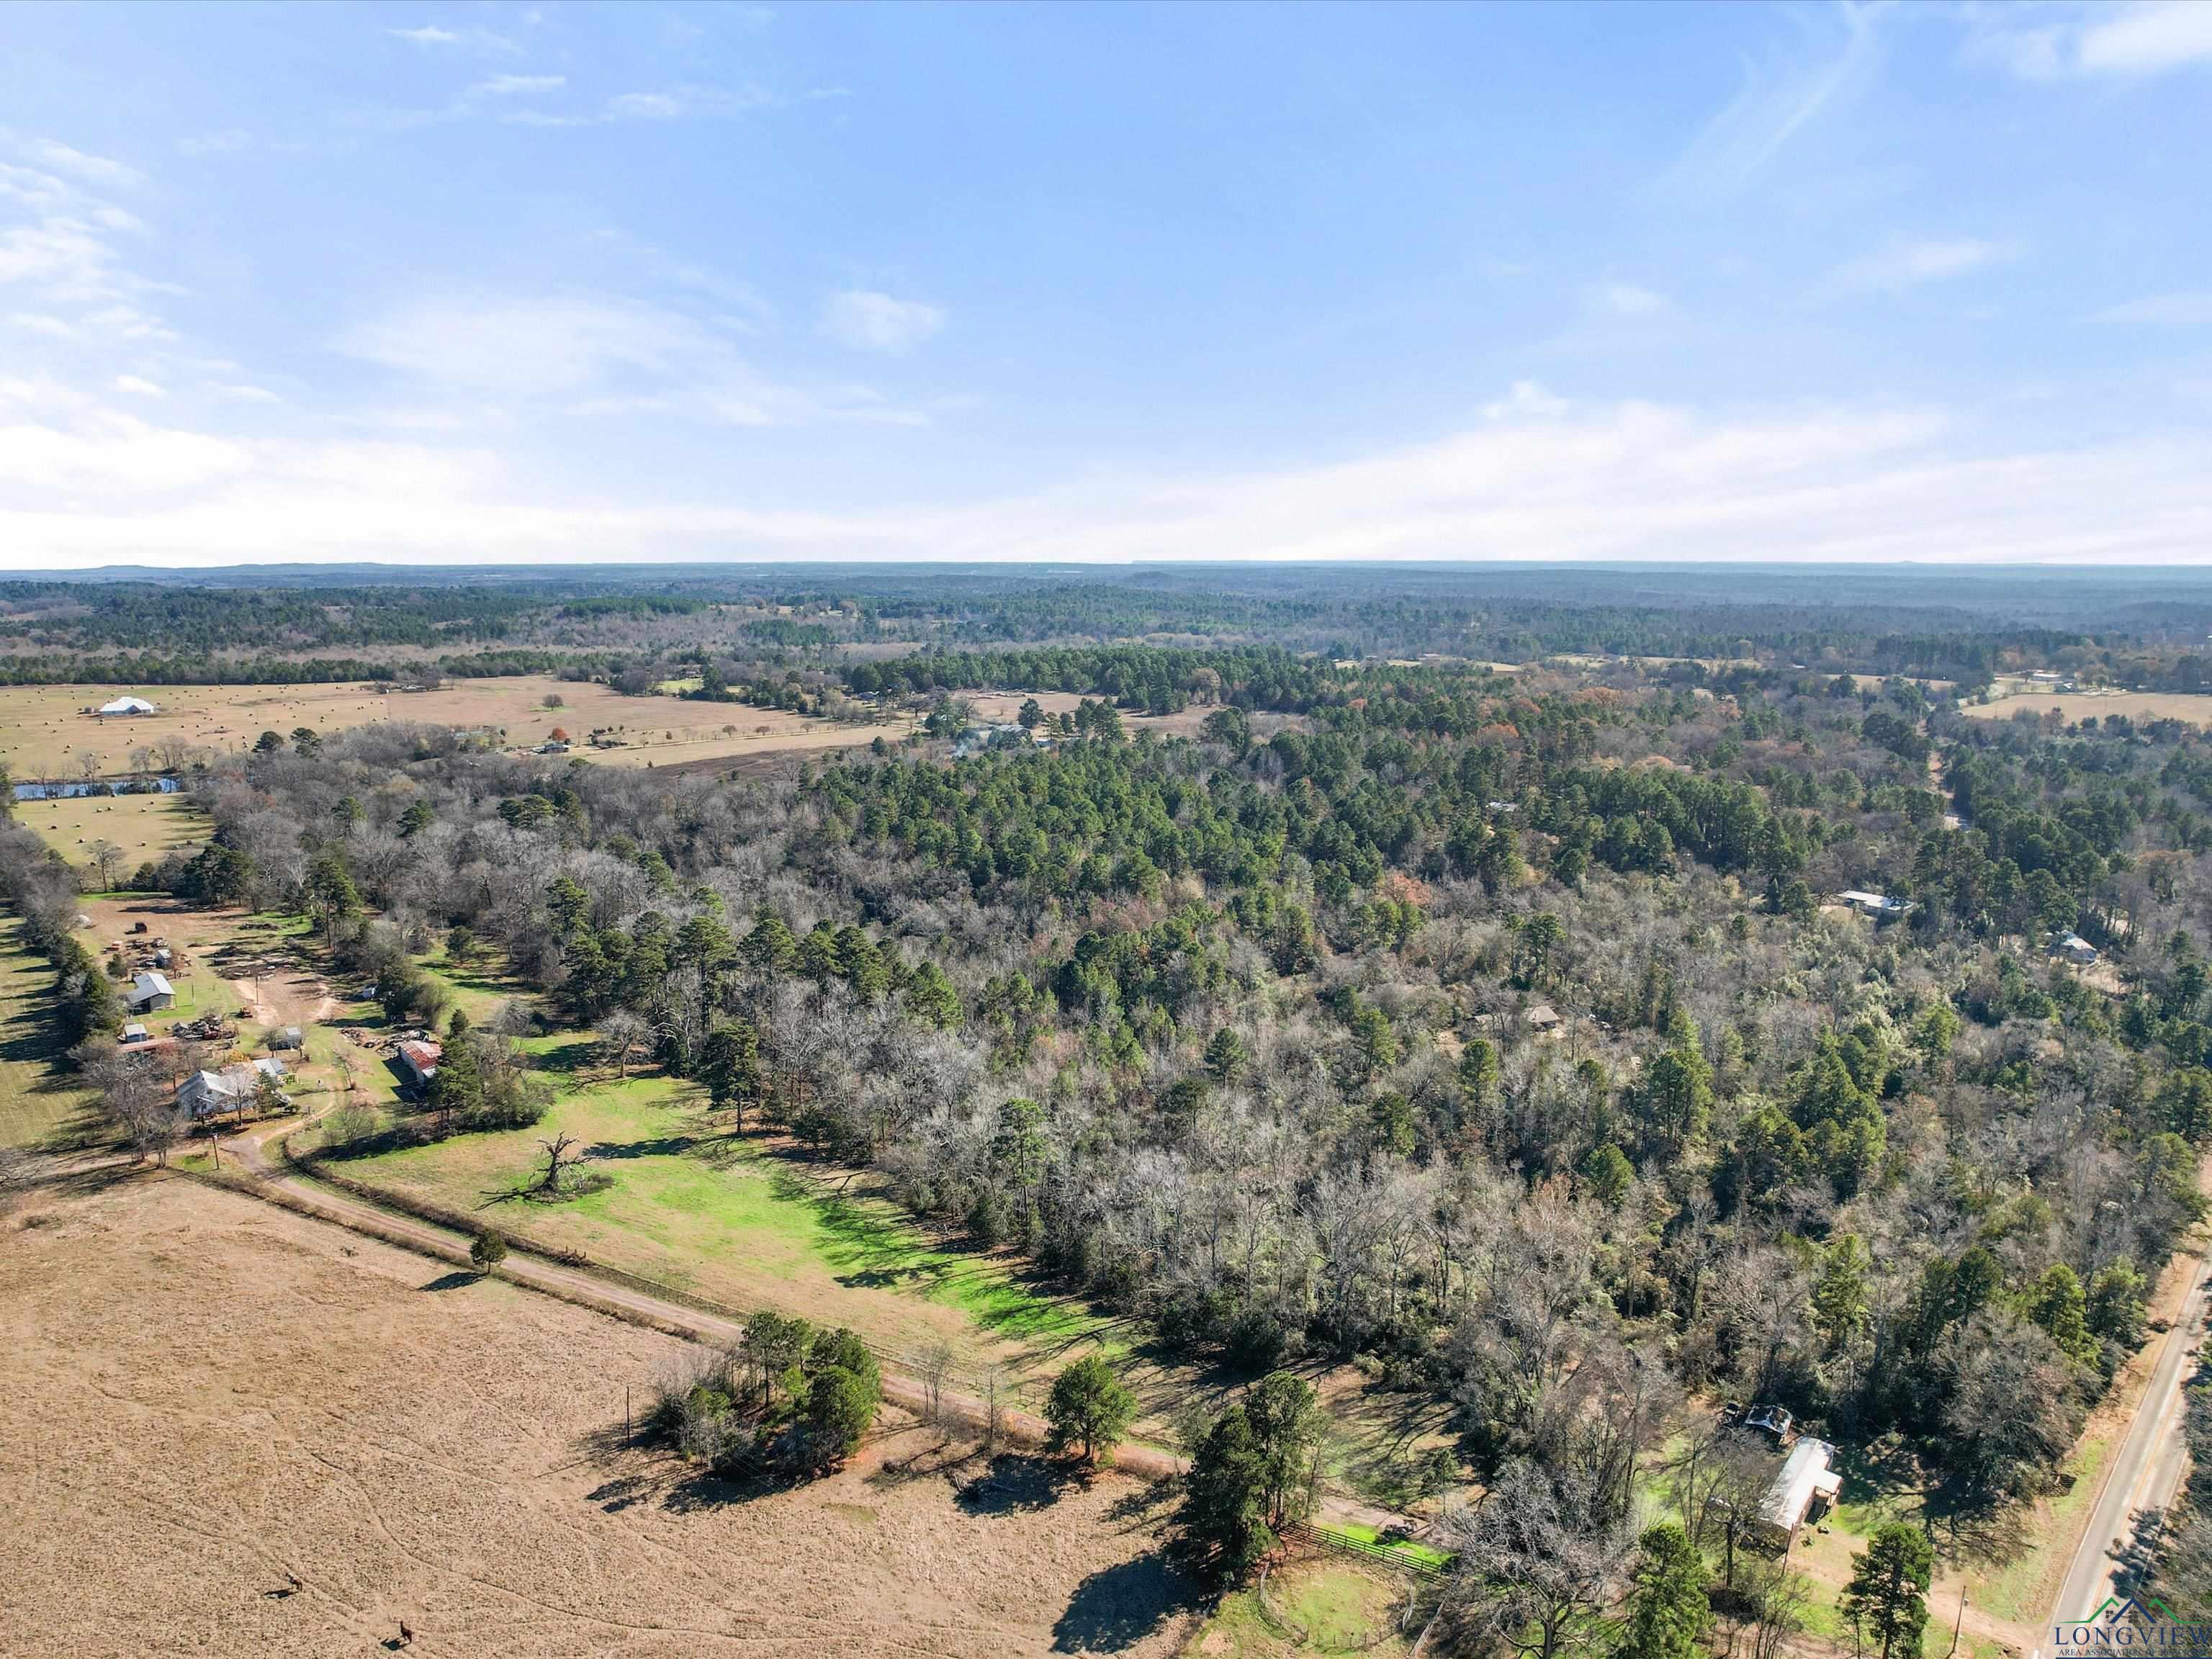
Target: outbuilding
{"points": [[419, 1059], [125, 706], [151, 991], [2072, 947], [1880, 906], [1802, 1492]]}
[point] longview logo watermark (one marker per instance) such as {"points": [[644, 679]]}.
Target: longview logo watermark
{"points": [[2133, 1624]]}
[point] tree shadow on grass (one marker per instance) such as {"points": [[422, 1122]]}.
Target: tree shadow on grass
{"points": [[1118, 1607], [452, 1281], [1014, 1485], [653, 1146], [567, 1058]]}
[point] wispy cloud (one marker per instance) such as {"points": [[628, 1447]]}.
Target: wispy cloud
{"points": [[1777, 97], [139, 386], [2164, 311], [2050, 43], [77, 164], [430, 34], [513, 85], [595, 354], [870, 321], [1628, 300], [222, 142], [1904, 265]]}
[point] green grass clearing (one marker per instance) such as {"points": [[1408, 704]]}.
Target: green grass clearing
{"points": [[744, 1225], [37, 1108], [1337, 1606]]}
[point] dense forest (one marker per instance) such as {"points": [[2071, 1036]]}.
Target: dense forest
{"points": [[278, 626]]}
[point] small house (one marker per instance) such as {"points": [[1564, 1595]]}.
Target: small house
{"points": [[1542, 1018], [1804, 1489], [419, 1059], [125, 707], [206, 1094], [1880, 906], [151, 991], [135, 1032], [2072, 947], [290, 1036]]}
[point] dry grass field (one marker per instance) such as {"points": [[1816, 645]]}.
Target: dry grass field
{"points": [[2196, 707], [145, 827], [44, 733], [201, 1395]]}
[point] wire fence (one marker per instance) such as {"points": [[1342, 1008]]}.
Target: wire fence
{"points": [[921, 1370]]}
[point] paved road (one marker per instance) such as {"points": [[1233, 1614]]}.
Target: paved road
{"points": [[2147, 1471]]}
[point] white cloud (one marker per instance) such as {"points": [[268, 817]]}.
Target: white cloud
{"points": [[1536, 479], [2165, 311], [510, 86], [2150, 37], [138, 386], [59, 444], [1908, 265], [249, 394], [870, 321], [428, 35], [93, 169], [1627, 299], [646, 107]]}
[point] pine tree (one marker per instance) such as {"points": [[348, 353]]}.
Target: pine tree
{"points": [[1888, 1596], [1667, 1610], [1221, 1528], [1090, 1406]]}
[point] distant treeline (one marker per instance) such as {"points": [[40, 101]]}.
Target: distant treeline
{"points": [[150, 669]]}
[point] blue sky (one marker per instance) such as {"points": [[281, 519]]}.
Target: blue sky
{"points": [[506, 282]]}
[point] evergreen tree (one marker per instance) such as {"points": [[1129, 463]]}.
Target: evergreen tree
{"points": [[1221, 1527], [1089, 1406], [1887, 1600], [1668, 1612]]}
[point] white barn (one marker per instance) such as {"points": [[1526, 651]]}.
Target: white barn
{"points": [[125, 705]]}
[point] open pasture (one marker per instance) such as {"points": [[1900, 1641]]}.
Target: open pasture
{"points": [[205, 1400], [2196, 707], [44, 732], [144, 828]]}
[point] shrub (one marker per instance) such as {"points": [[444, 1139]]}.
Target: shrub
{"points": [[488, 1249]]}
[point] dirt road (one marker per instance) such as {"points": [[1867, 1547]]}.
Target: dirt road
{"points": [[2145, 1472]]}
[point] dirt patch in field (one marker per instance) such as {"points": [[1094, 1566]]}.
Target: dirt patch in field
{"points": [[202, 1399]]}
